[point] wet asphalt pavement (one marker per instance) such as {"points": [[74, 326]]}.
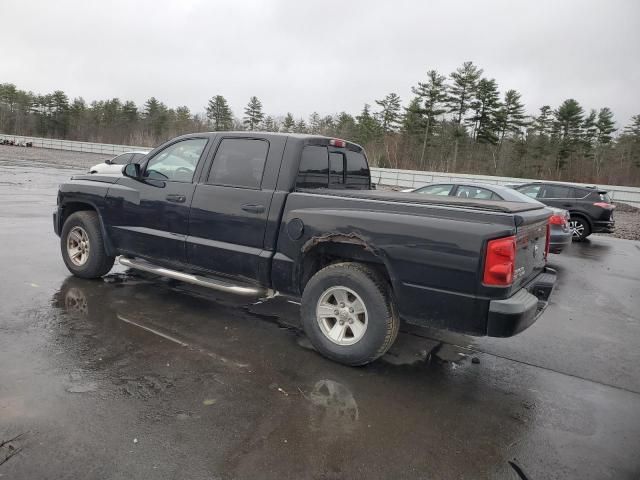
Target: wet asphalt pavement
{"points": [[134, 377]]}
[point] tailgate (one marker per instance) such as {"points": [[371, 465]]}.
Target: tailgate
{"points": [[531, 241]]}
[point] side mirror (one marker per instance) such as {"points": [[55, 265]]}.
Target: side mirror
{"points": [[108, 161], [132, 170]]}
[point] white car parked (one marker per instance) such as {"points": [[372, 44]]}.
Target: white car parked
{"points": [[115, 164]]}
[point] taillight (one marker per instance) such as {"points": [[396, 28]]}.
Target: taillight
{"points": [[606, 205], [558, 220], [499, 262], [335, 142]]}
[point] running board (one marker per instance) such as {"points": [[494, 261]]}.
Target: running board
{"points": [[190, 278]]}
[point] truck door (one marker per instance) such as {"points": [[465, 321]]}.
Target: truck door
{"points": [[149, 217], [231, 205]]}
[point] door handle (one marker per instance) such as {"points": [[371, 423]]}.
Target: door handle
{"points": [[176, 198], [251, 208]]}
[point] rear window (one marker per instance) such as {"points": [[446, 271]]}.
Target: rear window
{"points": [[336, 168], [358, 175], [604, 197], [321, 168]]}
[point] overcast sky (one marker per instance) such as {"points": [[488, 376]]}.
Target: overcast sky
{"points": [[326, 56]]}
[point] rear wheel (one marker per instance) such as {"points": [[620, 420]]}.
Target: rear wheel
{"points": [[82, 246], [579, 228], [348, 313]]}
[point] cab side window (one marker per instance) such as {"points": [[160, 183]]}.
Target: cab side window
{"points": [[314, 168], [239, 162], [177, 162]]}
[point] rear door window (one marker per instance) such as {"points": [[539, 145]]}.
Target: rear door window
{"points": [[239, 162], [556, 191], [466, 191], [436, 189]]}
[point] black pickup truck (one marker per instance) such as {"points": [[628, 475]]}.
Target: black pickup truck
{"points": [[264, 214]]}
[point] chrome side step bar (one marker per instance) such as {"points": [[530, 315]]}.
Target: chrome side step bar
{"points": [[190, 278]]}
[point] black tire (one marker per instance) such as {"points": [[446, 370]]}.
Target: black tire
{"points": [[580, 228], [375, 293], [97, 263]]}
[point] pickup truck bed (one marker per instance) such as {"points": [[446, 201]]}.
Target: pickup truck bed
{"points": [[359, 260]]}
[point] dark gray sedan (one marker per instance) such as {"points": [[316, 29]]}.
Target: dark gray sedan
{"points": [[560, 232]]}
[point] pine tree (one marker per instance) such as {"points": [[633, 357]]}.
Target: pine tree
{"points": [[314, 123], [433, 95], [569, 119], [590, 129], [486, 106], [633, 129], [413, 120], [543, 123], [367, 128], [345, 125], [389, 116], [568, 125], [219, 113], [270, 124], [253, 114], [511, 117], [605, 125], [464, 82], [301, 126], [462, 90], [288, 125]]}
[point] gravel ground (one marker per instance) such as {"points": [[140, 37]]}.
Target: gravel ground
{"points": [[627, 222], [627, 217], [64, 158]]}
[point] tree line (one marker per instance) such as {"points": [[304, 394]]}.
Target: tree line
{"points": [[459, 122]]}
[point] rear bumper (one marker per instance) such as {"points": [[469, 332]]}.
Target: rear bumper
{"points": [[607, 226], [558, 241], [518, 312]]}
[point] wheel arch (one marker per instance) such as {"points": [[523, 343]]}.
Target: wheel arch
{"points": [[320, 252], [70, 207], [581, 215]]}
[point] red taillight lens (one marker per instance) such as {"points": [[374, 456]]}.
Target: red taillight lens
{"points": [[606, 205], [335, 142], [558, 220], [499, 262]]}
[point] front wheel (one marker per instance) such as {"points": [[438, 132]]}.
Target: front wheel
{"points": [[82, 246], [579, 229], [348, 313]]}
